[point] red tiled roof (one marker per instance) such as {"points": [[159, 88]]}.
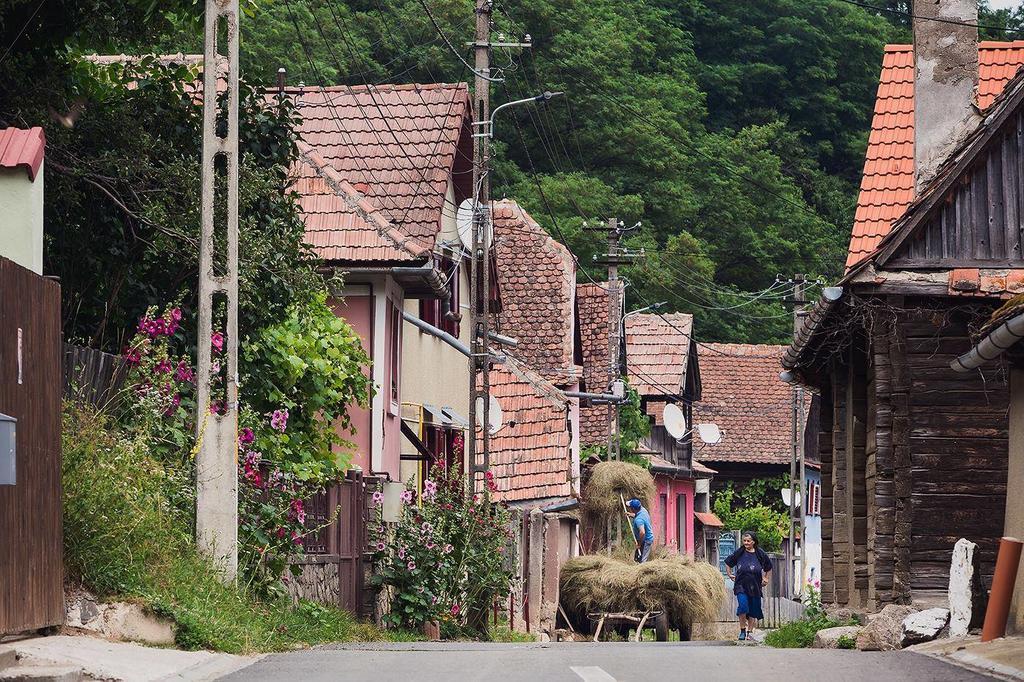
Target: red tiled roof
{"points": [[657, 350], [887, 184], [709, 519], [399, 142], [22, 149], [592, 304], [537, 278], [531, 454], [340, 223], [742, 393]]}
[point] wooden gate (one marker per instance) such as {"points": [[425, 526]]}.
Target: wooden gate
{"points": [[333, 567], [31, 541], [778, 606]]}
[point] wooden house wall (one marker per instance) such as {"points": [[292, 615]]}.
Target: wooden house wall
{"points": [[981, 219], [913, 458]]}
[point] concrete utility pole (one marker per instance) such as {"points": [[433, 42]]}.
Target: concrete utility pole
{"points": [[480, 265], [217, 459], [615, 300], [796, 468]]}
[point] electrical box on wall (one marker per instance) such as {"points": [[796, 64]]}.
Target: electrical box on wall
{"points": [[8, 451]]}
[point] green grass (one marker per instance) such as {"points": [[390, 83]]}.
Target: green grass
{"points": [[800, 633], [126, 537]]}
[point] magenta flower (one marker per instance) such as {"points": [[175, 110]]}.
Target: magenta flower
{"points": [[217, 341], [381, 546], [378, 498], [163, 367], [407, 496], [184, 373], [133, 357], [279, 420], [411, 565], [297, 511], [246, 436], [401, 552], [296, 538], [429, 489], [176, 315], [455, 609], [447, 549]]}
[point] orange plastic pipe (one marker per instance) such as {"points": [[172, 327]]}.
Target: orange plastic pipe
{"points": [[1002, 589]]}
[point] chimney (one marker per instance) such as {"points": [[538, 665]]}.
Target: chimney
{"points": [[21, 196], [945, 81]]}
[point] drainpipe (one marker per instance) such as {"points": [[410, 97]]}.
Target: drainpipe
{"points": [[444, 336], [992, 346], [603, 397]]}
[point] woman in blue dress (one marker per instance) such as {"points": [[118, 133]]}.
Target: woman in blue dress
{"points": [[748, 567]]}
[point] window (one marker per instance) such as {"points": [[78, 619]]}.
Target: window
{"points": [[663, 530], [681, 522], [813, 498]]}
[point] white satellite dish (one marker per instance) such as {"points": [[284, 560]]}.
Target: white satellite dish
{"points": [[464, 223], [785, 497], [495, 416], [709, 434], [675, 421]]}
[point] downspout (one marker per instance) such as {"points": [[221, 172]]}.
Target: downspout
{"points": [[434, 331], [992, 346]]}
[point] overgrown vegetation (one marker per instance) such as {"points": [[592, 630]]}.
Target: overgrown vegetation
{"points": [[799, 634], [127, 537], [754, 508]]}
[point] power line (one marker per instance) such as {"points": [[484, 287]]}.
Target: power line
{"points": [[938, 20], [22, 31]]}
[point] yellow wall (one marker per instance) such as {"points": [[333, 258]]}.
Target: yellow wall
{"points": [[1014, 525]]}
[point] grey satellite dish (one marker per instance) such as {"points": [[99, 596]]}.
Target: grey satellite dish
{"points": [[675, 421], [464, 223], [495, 417], [709, 434]]}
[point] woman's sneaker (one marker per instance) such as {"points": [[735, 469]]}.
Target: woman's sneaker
{"points": [[743, 635]]}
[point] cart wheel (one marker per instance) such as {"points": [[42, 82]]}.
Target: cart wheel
{"points": [[661, 628]]}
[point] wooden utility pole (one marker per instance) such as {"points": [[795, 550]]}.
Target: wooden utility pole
{"points": [[796, 468], [217, 433], [480, 266], [614, 321]]}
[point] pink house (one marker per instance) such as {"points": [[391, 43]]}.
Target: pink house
{"points": [[375, 206]]}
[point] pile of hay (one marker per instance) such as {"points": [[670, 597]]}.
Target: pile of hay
{"points": [[689, 591], [609, 480]]}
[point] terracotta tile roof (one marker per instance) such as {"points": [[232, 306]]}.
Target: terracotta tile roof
{"points": [[657, 349], [592, 304], [537, 278], [22, 149], [531, 454], [399, 146], [340, 223], [887, 184], [743, 394]]}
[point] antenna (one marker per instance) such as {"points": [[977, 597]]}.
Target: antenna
{"points": [[495, 417], [675, 421], [709, 434]]}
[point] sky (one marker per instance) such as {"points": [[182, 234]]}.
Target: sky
{"points": [[1003, 4]]}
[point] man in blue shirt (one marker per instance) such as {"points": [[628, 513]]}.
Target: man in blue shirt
{"points": [[643, 531]]}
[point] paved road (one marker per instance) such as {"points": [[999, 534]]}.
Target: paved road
{"points": [[604, 662]]}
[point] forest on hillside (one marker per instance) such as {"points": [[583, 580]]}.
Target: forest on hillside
{"points": [[733, 131]]}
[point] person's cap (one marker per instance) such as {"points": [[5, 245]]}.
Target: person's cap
{"points": [[634, 504]]}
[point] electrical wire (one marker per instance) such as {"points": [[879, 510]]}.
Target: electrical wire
{"points": [[22, 31], [939, 20]]}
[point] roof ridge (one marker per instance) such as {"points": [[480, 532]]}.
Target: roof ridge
{"points": [[375, 86], [359, 203]]}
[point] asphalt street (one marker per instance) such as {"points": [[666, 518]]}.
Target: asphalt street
{"points": [[600, 662]]}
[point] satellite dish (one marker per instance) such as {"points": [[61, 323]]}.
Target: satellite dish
{"points": [[495, 416], [675, 421], [709, 434], [785, 497], [464, 223]]}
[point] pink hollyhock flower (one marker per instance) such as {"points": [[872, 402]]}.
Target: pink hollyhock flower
{"points": [[401, 552], [296, 538], [133, 357], [215, 368], [143, 324], [407, 496], [455, 610], [246, 436], [176, 315], [297, 511], [280, 532], [447, 549], [429, 489], [411, 565], [184, 373], [217, 341], [378, 498], [163, 367], [279, 420], [217, 407], [427, 527], [381, 546]]}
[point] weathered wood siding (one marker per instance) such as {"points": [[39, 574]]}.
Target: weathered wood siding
{"points": [[826, 420], [981, 219], [31, 541], [958, 437]]}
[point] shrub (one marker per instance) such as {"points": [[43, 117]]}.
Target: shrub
{"points": [[846, 642], [800, 633], [447, 559], [124, 538], [771, 526]]}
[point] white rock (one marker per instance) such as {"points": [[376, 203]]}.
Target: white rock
{"points": [[829, 637], [924, 626], [961, 595]]}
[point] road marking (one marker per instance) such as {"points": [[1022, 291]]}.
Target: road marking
{"points": [[591, 673]]}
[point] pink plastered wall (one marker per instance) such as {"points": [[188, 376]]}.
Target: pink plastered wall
{"points": [[391, 454], [358, 312], [665, 512]]}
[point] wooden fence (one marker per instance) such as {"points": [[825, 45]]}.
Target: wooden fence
{"points": [[31, 541], [92, 376]]}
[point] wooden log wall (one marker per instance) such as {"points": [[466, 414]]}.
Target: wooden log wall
{"points": [[826, 419], [902, 471], [840, 510], [958, 449], [856, 459]]}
